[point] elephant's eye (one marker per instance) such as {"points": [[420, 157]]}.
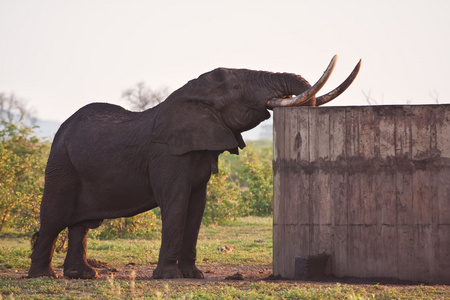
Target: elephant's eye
{"points": [[237, 87]]}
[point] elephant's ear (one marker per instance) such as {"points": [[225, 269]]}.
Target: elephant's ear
{"points": [[192, 126]]}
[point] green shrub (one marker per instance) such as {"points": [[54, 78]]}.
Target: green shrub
{"points": [[22, 165], [243, 186], [259, 186], [222, 201]]}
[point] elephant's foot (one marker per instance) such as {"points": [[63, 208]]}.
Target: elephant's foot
{"points": [[191, 271], [41, 271], [80, 271], [167, 272]]}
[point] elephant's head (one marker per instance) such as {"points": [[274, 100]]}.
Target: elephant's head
{"points": [[210, 112]]}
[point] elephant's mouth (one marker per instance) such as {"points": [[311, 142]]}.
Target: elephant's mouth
{"points": [[252, 118], [309, 95]]}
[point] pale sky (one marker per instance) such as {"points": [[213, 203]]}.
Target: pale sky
{"points": [[60, 55]]}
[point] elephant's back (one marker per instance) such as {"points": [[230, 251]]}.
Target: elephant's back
{"points": [[99, 129], [101, 112], [103, 119]]}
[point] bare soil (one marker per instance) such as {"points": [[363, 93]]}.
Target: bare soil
{"points": [[212, 272]]}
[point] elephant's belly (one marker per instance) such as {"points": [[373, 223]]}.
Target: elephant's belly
{"points": [[115, 201]]}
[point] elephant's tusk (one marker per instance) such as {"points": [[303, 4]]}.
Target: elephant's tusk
{"points": [[340, 89], [306, 95]]}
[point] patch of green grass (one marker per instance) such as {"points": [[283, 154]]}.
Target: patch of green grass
{"points": [[123, 251], [14, 253], [251, 238]]}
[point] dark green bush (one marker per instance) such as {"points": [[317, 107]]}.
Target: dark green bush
{"points": [[243, 186], [22, 165], [222, 199]]}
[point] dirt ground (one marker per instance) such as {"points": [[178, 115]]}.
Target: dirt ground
{"points": [[212, 272]]}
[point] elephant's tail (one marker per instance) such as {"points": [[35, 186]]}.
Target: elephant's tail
{"points": [[34, 239]]}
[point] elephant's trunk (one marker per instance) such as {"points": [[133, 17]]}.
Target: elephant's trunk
{"points": [[307, 93]]}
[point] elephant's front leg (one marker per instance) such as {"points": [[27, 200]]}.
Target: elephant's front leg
{"points": [[173, 214], [188, 254]]}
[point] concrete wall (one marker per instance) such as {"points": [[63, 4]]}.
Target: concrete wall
{"points": [[370, 186]]}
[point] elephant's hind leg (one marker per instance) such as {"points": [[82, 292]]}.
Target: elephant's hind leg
{"points": [[75, 264], [41, 257]]}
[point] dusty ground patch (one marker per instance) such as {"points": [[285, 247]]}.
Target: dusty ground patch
{"points": [[212, 272]]}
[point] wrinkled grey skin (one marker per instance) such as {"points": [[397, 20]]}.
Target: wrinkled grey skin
{"points": [[107, 162]]}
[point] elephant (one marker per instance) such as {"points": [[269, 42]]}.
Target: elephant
{"points": [[107, 162]]}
